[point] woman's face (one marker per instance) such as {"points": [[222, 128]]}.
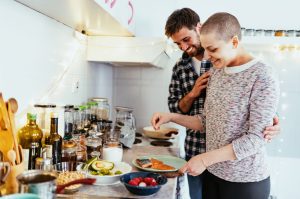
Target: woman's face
{"points": [[219, 52]]}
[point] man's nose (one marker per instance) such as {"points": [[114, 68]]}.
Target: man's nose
{"points": [[183, 46]]}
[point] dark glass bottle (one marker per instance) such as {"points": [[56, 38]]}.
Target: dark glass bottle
{"points": [[55, 139], [34, 152]]}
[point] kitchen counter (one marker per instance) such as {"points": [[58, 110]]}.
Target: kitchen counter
{"points": [[118, 190]]}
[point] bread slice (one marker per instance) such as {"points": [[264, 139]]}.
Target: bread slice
{"points": [[144, 163]]}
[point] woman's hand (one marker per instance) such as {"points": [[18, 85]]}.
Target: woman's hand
{"points": [[272, 131], [160, 118], [195, 166]]}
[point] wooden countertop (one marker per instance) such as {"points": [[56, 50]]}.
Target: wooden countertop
{"points": [[119, 190]]}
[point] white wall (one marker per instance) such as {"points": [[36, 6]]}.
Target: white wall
{"points": [[257, 14], [41, 61]]}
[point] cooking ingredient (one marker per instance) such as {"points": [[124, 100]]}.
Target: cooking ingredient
{"points": [[55, 139], [28, 134], [142, 184], [101, 164], [88, 163], [68, 176]]}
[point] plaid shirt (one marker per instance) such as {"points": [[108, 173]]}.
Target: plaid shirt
{"points": [[183, 79]]}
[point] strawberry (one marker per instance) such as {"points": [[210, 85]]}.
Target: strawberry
{"points": [[133, 182]]}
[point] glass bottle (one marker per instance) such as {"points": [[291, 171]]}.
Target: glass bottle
{"points": [[69, 122], [28, 134], [103, 109], [55, 139], [34, 153]]}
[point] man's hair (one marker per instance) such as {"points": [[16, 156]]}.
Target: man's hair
{"points": [[223, 24], [180, 18]]}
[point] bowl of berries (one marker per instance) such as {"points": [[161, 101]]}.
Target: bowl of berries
{"points": [[143, 183]]}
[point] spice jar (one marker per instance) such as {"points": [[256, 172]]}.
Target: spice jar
{"points": [[103, 108], [69, 151]]}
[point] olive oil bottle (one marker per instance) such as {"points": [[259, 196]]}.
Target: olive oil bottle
{"points": [[55, 139], [28, 134]]}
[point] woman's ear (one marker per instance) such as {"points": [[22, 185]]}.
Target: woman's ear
{"points": [[235, 41]]}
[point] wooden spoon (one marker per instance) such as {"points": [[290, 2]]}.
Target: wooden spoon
{"points": [[12, 108], [11, 155]]}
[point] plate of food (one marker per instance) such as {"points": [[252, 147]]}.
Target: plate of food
{"points": [[158, 163], [105, 172], [69, 176]]}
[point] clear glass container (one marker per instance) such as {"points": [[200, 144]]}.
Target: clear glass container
{"points": [[69, 151], [69, 121], [112, 151], [103, 108], [125, 125]]}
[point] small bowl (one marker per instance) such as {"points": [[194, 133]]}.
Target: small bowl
{"points": [[163, 133], [143, 191]]}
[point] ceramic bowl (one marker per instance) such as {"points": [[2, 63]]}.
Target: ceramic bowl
{"points": [[109, 179], [163, 133], [143, 191]]}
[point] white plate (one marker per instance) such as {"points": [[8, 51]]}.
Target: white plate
{"points": [[109, 180]]}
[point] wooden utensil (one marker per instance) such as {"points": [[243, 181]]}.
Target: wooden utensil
{"points": [[12, 108], [11, 155], [6, 138]]}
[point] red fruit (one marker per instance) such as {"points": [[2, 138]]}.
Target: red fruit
{"points": [[153, 183], [142, 184], [133, 182], [138, 180], [149, 180]]}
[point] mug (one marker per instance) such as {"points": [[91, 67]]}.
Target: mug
{"points": [[4, 171]]}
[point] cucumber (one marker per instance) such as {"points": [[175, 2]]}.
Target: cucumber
{"points": [[88, 163], [99, 165]]}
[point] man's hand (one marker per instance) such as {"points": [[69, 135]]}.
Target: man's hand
{"points": [[272, 131], [200, 84]]}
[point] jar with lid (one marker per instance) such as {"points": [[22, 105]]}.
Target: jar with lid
{"points": [[93, 107], [125, 125], [69, 121], [44, 115], [103, 108], [69, 151]]}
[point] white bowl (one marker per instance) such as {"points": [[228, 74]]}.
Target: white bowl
{"points": [[108, 180], [162, 133]]}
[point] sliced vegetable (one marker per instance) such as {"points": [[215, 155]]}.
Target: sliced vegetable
{"points": [[88, 163], [99, 165]]}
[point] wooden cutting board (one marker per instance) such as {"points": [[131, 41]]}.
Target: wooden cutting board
{"points": [[6, 138]]}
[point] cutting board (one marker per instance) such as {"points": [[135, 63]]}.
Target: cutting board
{"points": [[6, 136]]}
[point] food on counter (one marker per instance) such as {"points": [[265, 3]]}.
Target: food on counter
{"points": [[144, 163], [100, 167], [68, 176], [153, 164], [143, 182]]}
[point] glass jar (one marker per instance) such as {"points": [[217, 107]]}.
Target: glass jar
{"points": [[69, 121], [44, 115], [69, 151], [112, 151], [103, 108], [125, 125], [93, 146]]}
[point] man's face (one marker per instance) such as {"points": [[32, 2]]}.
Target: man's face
{"points": [[187, 40], [220, 52]]}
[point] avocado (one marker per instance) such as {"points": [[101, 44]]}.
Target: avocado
{"points": [[100, 165]]}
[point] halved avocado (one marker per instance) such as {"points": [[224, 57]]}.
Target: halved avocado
{"points": [[102, 164], [88, 163]]}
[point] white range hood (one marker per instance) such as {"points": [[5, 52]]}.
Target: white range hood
{"points": [[139, 51], [110, 38]]}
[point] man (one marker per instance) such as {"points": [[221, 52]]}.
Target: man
{"points": [[188, 83]]}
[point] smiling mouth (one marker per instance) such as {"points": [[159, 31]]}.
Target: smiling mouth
{"points": [[189, 49]]}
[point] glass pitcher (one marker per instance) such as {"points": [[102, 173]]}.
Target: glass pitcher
{"points": [[125, 125]]}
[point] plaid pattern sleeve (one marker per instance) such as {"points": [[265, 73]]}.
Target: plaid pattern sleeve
{"points": [[182, 82]]}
